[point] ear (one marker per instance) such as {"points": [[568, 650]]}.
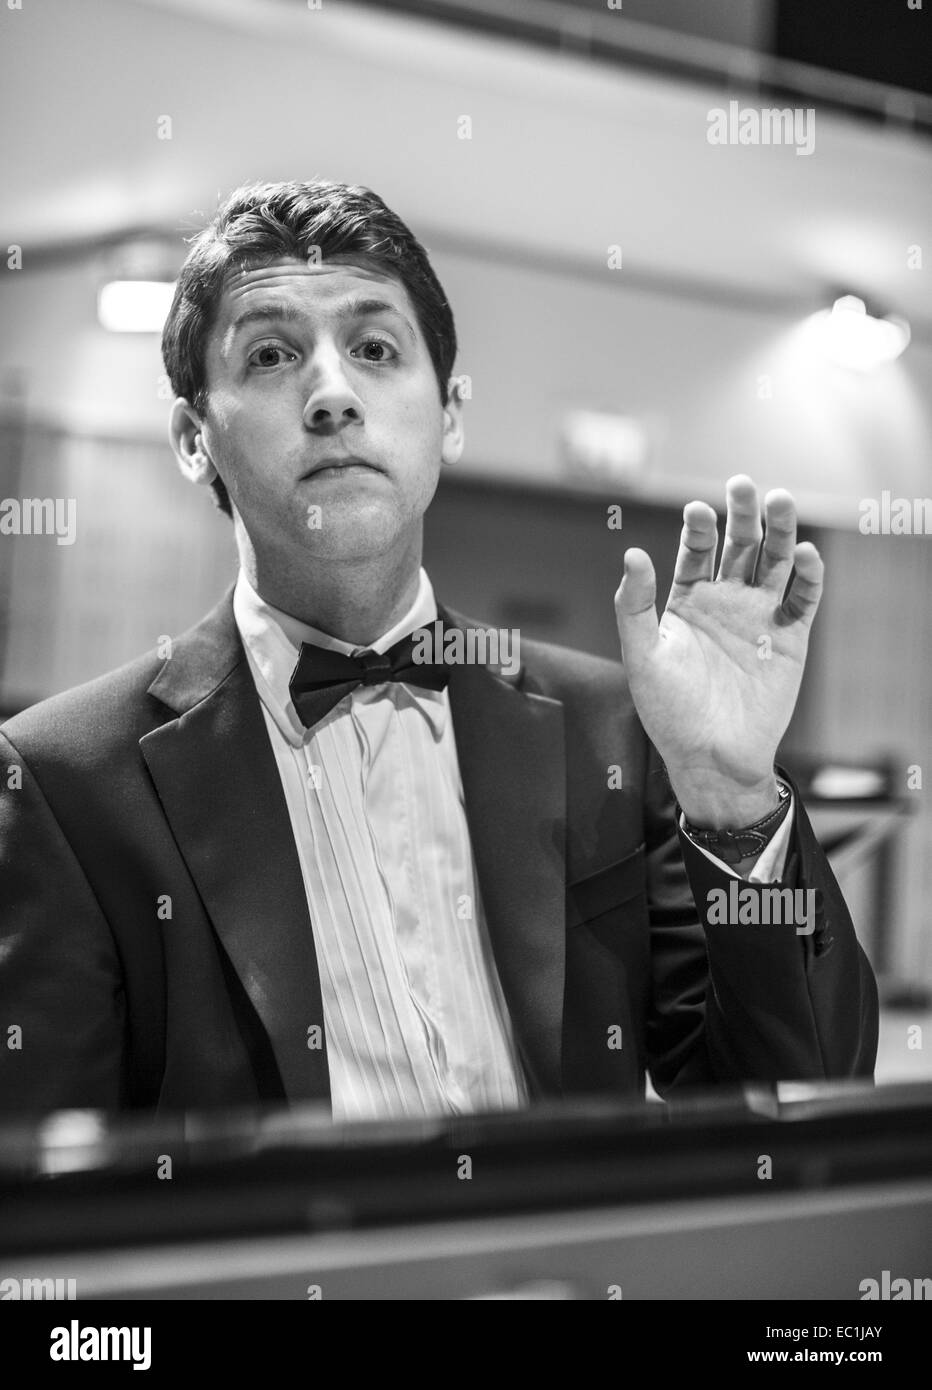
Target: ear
{"points": [[454, 436], [186, 438]]}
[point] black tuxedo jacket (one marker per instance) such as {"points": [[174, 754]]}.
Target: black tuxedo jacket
{"points": [[155, 942]]}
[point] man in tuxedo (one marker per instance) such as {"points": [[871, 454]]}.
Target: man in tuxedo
{"points": [[288, 861]]}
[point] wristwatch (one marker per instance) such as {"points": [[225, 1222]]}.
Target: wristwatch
{"points": [[732, 846]]}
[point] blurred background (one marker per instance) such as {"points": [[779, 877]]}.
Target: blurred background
{"points": [[641, 312]]}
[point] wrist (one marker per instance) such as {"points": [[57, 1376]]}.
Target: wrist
{"points": [[742, 846], [714, 804]]}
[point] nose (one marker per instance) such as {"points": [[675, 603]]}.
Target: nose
{"points": [[332, 404]]}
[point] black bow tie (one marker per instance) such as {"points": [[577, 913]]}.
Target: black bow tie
{"points": [[323, 677]]}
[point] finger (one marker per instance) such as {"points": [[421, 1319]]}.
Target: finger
{"points": [[802, 599], [743, 530], [636, 608], [695, 559], [776, 553]]}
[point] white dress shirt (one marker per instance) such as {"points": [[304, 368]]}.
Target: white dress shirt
{"points": [[414, 1016]]}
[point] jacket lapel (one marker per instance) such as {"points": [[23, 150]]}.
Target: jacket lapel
{"points": [[218, 783], [510, 746]]}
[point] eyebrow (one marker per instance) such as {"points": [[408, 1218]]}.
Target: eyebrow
{"points": [[289, 313]]}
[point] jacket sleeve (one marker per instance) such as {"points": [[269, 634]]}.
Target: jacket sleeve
{"points": [[62, 1006], [734, 1001]]}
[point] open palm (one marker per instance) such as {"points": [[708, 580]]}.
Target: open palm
{"points": [[716, 679]]}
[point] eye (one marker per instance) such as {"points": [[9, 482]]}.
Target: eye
{"points": [[267, 348], [384, 351]]}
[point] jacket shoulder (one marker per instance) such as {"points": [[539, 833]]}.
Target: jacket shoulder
{"points": [[90, 722], [97, 714]]}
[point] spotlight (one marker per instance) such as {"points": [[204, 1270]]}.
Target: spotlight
{"points": [[134, 306], [852, 337]]}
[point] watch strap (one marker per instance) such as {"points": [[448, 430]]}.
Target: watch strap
{"points": [[731, 846]]}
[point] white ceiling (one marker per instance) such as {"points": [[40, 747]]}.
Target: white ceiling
{"points": [[566, 158]]}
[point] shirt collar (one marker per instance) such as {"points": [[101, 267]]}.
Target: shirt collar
{"points": [[272, 640]]}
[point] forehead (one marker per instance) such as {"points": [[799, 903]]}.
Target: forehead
{"points": [[305, 286]]}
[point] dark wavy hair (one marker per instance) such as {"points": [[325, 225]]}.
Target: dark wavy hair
{"points": [[260, 223]]}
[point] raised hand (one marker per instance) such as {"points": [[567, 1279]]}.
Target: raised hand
{"points": [[715, 681]]}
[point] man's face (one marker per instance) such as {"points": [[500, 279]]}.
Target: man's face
{"points": [[329, 365]]}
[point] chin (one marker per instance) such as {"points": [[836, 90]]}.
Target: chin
{"points": [[342, 531]]}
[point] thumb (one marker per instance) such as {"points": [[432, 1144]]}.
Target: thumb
{"points": [[635, 608]]}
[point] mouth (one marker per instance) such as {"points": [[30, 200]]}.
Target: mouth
{"points": [[342, 463]]}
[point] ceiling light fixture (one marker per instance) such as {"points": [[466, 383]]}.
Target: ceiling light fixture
{"points": [[853, 337], [134, 306]]}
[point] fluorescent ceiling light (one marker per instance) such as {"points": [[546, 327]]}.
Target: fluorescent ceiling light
{"points": [[134, 306], [853, 338]]}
